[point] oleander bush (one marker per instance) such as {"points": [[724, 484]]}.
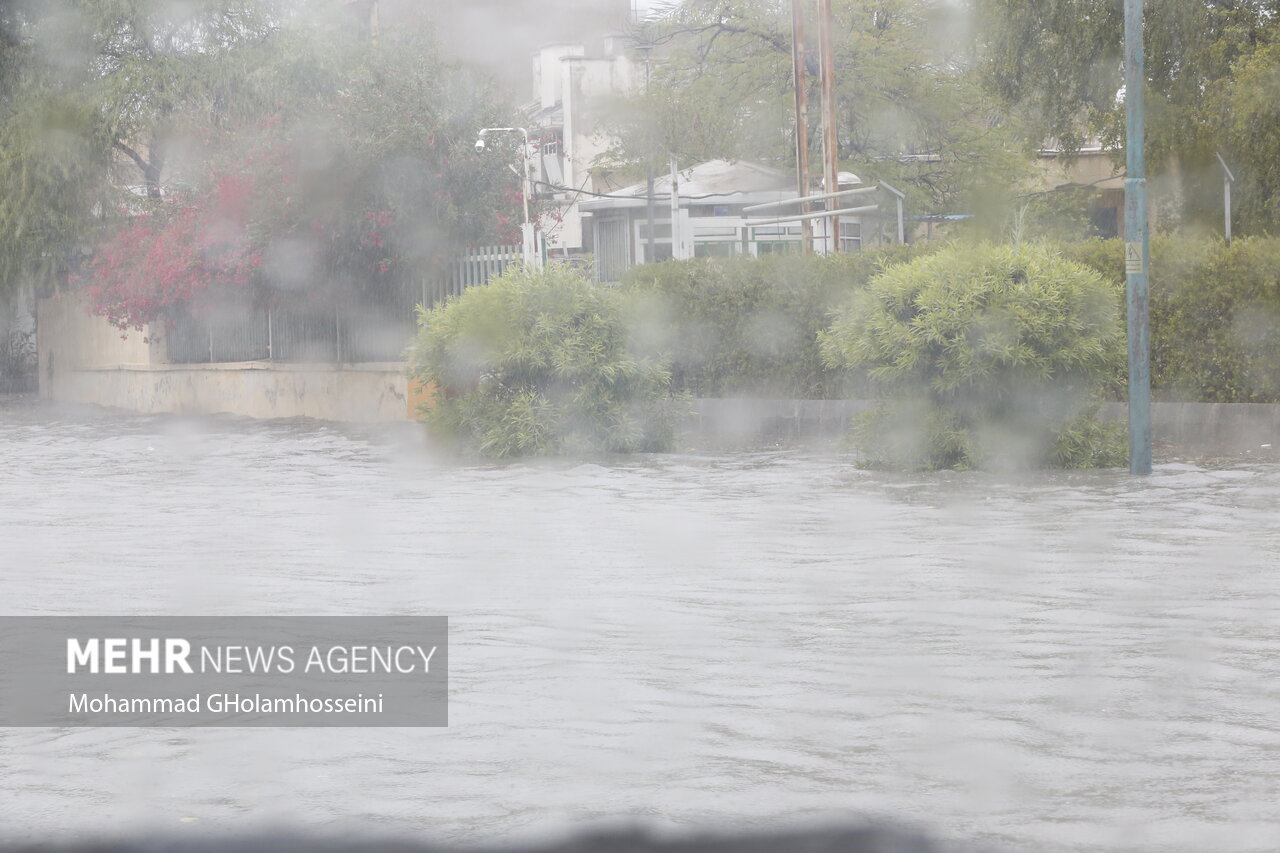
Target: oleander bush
{"points": [[542, 362], [985, 356]]}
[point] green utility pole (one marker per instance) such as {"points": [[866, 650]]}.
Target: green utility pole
{"points": [[1137, 245]]}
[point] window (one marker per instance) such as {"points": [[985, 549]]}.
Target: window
{"points": [[713, 249], [851, 236]]}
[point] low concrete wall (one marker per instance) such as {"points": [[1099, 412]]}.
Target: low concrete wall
{"points": [[83, 359], [1213, 426], [356, 393], [744, 420], [68, 338]]}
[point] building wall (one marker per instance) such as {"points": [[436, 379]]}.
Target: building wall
{"points": [[582, 85], [547, 72], [1096, 168], [68, 338], [83, 359]]}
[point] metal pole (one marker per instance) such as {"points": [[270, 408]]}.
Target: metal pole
{"points": [[527, 189], [799, 56], [649, 249], [1227, 180], [1137, 245], [819, 214], [1226, 209], [652, 212], [676, 249], [899, 197], [787, 202], [831, 155], [533, 251]]}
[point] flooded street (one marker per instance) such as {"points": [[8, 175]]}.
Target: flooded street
{"points": [[1073, 661]]}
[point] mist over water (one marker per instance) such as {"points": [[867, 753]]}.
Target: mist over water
{"points": [[1068, 661]]}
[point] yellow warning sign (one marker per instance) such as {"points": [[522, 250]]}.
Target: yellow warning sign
{"points": [[1133, 259]]}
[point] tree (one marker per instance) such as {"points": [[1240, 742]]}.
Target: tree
{"points": [[354, 187], [88, 86], [1060, 62], [1250, 108], [909, 108]]}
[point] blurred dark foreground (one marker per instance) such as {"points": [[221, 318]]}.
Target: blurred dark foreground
{"points": [[871, 839]]}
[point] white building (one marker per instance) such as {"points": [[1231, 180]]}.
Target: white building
{"points": [[590, 216], [570, 87]]}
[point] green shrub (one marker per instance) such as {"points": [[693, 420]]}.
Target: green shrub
{"points": [[1216, 327], [1215, 315], [541, 362], [986, 355], [749, 326]]}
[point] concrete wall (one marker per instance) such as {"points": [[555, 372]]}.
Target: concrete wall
{"points": [[1215, 427], [1224, 427], [358, 393], [83, 359], [68, 338]]}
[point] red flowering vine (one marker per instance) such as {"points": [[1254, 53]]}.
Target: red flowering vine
{"points": [[172, 256]]}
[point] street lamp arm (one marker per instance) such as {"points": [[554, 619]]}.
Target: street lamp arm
{"points": [[485, 130]]}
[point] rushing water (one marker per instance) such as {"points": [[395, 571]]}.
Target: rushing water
{"points": [[1072, 661]]}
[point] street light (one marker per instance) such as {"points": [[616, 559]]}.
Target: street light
{"points": [[531, 255]]}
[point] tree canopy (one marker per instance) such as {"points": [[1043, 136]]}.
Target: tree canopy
{"points": [[910, 109], [953, 98], [91, 90], [1210, 68], [360, 175], [118, 108]]}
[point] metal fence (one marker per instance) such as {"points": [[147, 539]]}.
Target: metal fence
{"points": [[369, 326]]}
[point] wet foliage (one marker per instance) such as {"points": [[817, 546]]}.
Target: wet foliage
{"points": [[987, 356], [351, 179], [1215, 315], [748, 327], [542, 362]]}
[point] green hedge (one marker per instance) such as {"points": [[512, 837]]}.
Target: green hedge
{"points": [[749, 327], [1215, 315], [544, 362]]}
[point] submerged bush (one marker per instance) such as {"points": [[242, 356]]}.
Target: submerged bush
{"points": [[541, 362], [749, 326], [985, 355]]}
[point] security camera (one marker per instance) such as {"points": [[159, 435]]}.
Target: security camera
{"points": [[480, 144]]}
